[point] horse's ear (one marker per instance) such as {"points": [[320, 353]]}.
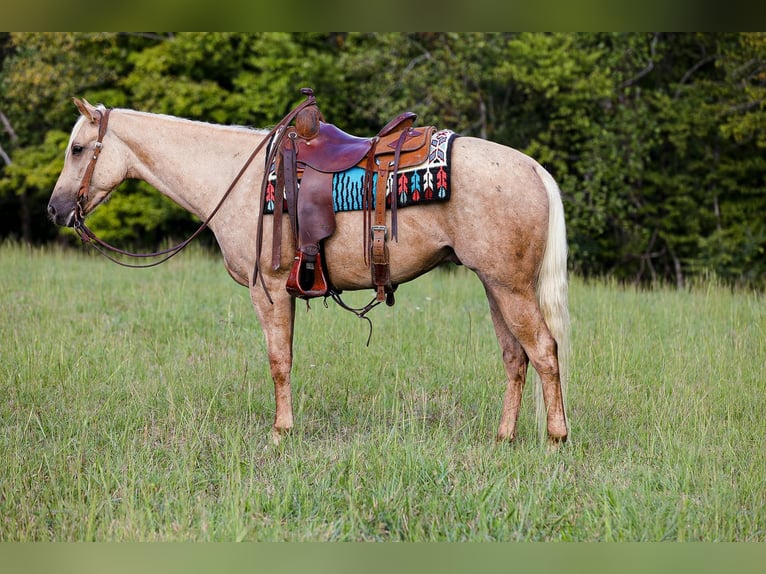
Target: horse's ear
{"points": [[86, 109]]}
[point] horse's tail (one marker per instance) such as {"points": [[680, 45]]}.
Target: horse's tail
{"points": [[552, 289]]}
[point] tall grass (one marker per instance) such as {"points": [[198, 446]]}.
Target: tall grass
{"points": [[136, 405]]}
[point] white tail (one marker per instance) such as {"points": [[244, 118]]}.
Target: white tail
{"points": [[552, 290]]}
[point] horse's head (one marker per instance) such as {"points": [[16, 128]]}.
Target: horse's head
{"points": [[92, 167]]}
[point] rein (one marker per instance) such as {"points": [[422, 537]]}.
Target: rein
{"points": [[273, 138], [103, 247]]}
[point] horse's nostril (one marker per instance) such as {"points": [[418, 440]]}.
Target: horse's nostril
{"points": [[51, 210]]}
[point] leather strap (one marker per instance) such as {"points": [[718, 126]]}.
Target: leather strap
{"points": [[370, 170], [84, 191], [290, 166], [279, 200], [394, 202], [378, 251], [379, 261]]}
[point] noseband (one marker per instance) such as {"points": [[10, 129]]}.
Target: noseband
{"points": [[83, 192]]}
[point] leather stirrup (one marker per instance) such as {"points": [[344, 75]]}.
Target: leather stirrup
{"points": [[307, 277]]}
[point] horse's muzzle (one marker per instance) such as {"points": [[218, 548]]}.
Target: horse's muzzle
{"points": [[61, 215]]}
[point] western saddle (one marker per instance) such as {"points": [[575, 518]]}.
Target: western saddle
{"points": [[307, 156]]}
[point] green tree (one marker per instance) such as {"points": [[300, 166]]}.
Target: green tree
{"points": [[446, 78], [40, 74], [634, 128], [735, 245], [656, 139]]}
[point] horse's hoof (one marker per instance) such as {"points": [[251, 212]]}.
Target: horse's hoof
{"points": [[554, 442], [504, 437], [278, 434]]}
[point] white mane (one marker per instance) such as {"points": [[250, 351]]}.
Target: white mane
{"points": [[82, 119], [169, 117], [75, 129]]}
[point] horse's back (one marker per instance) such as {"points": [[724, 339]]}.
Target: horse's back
{"points": [[496, 176], [498, 209]]}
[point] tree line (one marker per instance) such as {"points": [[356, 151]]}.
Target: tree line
{"points": [[656, 139]]}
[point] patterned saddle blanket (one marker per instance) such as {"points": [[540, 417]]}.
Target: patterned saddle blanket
{"points": [[416, 185]]}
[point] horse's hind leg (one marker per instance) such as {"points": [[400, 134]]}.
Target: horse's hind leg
{"points": [[516, 362], [524, 319]]}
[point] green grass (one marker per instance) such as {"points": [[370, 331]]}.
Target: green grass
{"points": [[136, 405]]}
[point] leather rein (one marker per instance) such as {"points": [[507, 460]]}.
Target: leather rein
{"points": [[103, 247], [87, 235], [273, 138]]}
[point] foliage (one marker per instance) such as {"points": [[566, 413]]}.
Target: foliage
{"points": [[656, 139]]}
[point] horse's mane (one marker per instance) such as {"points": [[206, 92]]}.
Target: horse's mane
{"points": [[75, 129], [81, 120], [170, 117]]}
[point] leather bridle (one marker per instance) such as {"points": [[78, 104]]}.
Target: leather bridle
{"points": [[273, 139], [87, 236], [84, 191]]}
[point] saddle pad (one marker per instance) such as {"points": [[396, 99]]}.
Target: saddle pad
{"points": [[429, 181]]}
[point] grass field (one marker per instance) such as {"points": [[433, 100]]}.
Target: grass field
{"points": [[136, 405]]}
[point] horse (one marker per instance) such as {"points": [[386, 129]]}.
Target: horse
{"points": [[504, 221]]}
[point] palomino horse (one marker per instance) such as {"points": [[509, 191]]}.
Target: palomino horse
{"points": [[504, 221]]}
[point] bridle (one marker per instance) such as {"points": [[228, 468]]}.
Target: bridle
{"points": [[88, 237], [273, 139], [100, 245], [82, 192]]}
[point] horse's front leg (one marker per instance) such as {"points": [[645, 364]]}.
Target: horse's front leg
{"points": [[277, 321]]}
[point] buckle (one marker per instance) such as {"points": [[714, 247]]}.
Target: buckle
{"points": [[382, 228]]}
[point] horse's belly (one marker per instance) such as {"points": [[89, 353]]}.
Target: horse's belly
{"points": [[421, 246]]}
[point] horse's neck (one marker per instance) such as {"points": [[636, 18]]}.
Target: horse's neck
{"points": [[192, 163]]}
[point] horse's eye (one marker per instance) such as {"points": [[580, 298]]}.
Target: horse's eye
{"points": [[76, 149]]}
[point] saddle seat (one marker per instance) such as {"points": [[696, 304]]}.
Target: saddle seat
{"points": [[329, 149]]}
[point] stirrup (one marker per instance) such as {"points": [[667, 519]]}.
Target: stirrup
{"points": [[307, 278]]}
